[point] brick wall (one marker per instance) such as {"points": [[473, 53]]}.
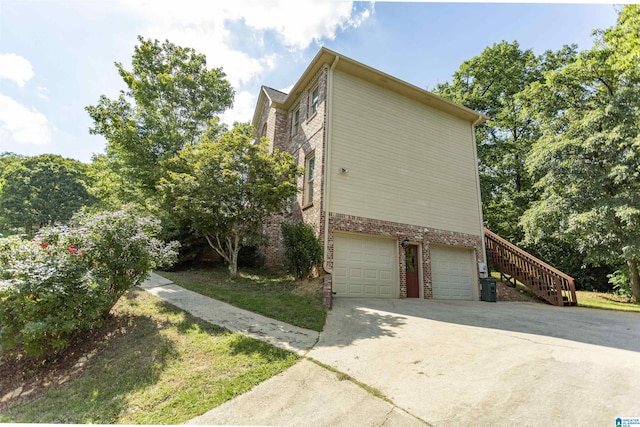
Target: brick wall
{"points": [[308, 138], [424, 236]]}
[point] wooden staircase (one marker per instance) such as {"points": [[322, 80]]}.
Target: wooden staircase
{"points": [[514, 264]]}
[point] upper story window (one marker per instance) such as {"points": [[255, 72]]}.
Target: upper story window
{"points": [[314, 101], [263, 134], [309, 172], [295, 121]]}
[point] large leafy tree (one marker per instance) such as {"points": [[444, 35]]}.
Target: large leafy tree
{"points": [[8, 158], [587, 160], [225, 189], [489, 83], [41, 190], [172, 100]]}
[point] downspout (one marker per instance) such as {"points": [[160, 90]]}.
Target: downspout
{"points": [[475, 157], [327, 169]]}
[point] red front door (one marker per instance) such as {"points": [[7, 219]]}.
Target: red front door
{"points": [[411, 262]]}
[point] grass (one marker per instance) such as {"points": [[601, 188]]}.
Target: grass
{"points": [[154, 364], [271, 294], [605, 301], [346, 377], [589, 299]]}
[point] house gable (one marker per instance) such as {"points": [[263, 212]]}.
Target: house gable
{"points": [[396, 159], [399, 166]]}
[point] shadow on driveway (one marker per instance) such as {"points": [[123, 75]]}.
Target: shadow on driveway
{"points": [[371, 318]]}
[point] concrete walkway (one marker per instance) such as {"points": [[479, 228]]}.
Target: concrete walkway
{"points": [[279, 334], [305, 394]]}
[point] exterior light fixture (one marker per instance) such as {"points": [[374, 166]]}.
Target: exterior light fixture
{"points": [[405, 243]]}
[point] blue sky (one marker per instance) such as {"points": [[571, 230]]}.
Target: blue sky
{"points": [[56, 56]]}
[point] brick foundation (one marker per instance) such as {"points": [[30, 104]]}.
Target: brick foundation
{"points": [[416, 234]]}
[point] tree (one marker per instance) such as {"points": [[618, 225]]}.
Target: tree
{"points": [[587, 160], [110, 185], [172, 101], [489, 83], [7, 159], [225, 189], [39, 191]]}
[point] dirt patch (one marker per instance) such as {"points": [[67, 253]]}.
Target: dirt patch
{"points": [[507, 293], [28, 378], [312, 286]]}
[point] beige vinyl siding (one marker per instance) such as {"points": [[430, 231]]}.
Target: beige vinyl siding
{"points": [[406, 162]]}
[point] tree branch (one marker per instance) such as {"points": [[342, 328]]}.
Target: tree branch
{"points": [[218, 248], [609, 88]]}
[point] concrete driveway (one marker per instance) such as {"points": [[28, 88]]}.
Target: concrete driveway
{"points": [[488, 364]]}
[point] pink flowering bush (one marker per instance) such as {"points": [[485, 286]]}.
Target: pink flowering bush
{"points": [[68, 278]]}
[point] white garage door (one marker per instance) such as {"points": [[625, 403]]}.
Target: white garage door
{"points": [[364, 266], [451, 272]]}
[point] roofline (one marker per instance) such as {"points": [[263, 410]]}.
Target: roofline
{"points": [[256, 116], [326, 57]]}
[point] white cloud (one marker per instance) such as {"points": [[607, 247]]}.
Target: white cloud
{"points": [[300, 22], [243, 106], [21, 125], [15, 67], [42, 93], [201, 25]]}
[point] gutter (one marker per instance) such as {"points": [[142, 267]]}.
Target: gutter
{"points": [[327, 169], [481, 118]]}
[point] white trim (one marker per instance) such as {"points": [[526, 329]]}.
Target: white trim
{"points": [[326, 159], [313, 112]]}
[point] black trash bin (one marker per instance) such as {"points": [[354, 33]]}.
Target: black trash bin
{"points": [[488, 288]]}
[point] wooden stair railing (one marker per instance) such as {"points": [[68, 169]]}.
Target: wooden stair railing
{"points": [[513, 263]]}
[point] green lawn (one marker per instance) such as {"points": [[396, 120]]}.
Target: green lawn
{"points": [[590, 299], [271, 294], [155, 364], [605, 301]]}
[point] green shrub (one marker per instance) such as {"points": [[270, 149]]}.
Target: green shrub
{"points": [[621, 282], [67, 278], [303, 250]]}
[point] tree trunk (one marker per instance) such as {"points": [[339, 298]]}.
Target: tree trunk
{"points": [[234, 248], [233, 264], [635, 280]]}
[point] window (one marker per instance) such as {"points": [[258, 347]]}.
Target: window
{"points": [[313, 102], [309, 165], [295, 121], [263, 134]]}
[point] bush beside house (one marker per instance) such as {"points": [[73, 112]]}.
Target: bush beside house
{"points": [[67, 278], [303, 250]]}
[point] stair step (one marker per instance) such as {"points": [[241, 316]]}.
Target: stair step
{"points": [[516, 264]]}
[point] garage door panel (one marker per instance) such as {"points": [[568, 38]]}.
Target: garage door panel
{"points": [[366, 266], [355, 273], [384, 260], [371, 274], [451, 274], [355, 288], [371, 258], [355, 256]]}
